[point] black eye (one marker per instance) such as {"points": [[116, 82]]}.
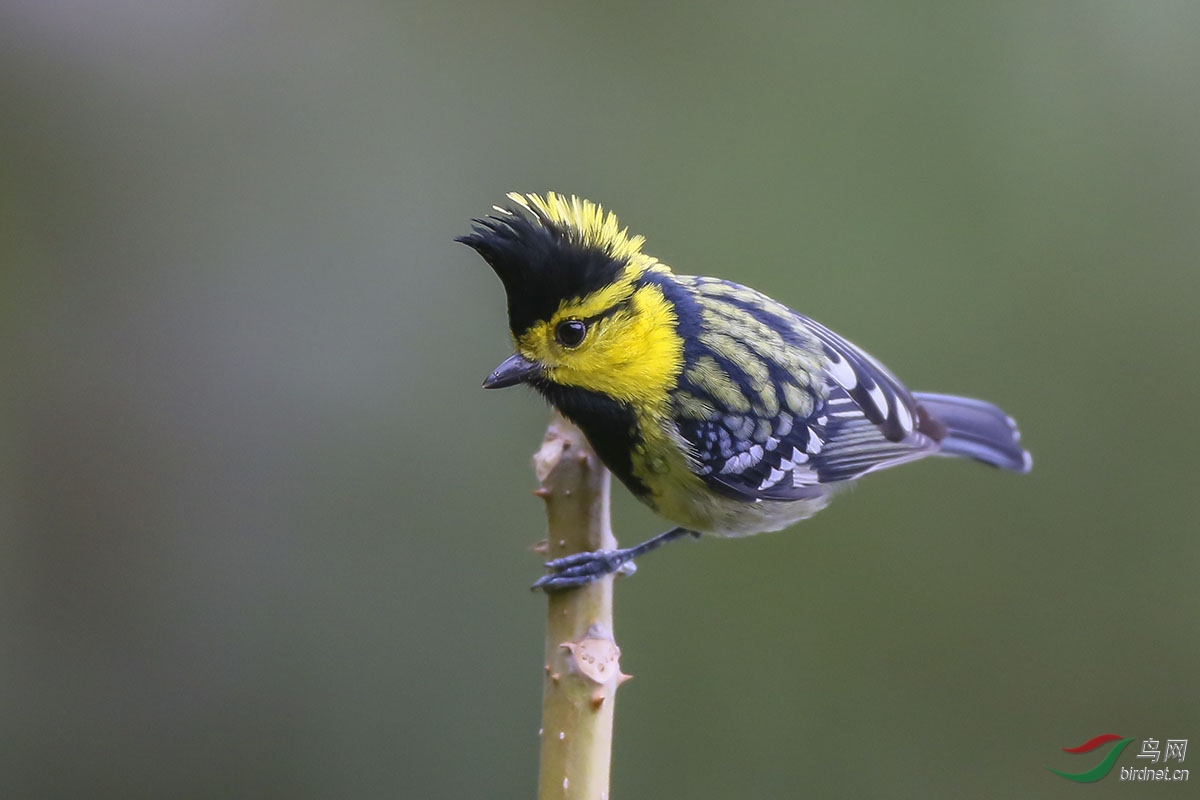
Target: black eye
{"points": [[570, 332]]}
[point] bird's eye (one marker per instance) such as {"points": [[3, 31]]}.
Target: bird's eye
{"points": [[570, 333]]}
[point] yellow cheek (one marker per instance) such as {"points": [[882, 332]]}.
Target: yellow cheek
{"points": [[534, 344], [634, 356]]}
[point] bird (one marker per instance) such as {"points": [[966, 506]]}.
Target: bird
{"points": [[724, 410]]}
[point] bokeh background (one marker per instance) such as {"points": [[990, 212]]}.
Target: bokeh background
{"points": [[262, 534]]}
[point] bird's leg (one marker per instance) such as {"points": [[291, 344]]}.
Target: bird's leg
{"points": [[578, 569]]}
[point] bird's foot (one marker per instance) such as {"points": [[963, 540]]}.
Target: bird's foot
{"points": [[580, 569]]}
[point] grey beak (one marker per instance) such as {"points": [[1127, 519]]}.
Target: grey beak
{"points": [[515, 369]]}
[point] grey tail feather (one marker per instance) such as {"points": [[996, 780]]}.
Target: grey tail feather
{"points": [[974, 429]]}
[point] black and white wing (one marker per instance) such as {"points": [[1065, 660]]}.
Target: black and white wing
{"points": [[784, 422]]}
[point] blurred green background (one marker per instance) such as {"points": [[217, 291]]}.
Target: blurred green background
{"points": [[263, 535]]}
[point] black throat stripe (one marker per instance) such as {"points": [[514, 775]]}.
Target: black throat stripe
{"points": [[609, 426]]}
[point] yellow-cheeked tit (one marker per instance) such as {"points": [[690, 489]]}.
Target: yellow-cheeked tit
{"points": [[723, 410]]}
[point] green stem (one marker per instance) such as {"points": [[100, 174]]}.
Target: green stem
{"points": [[582, 660]]}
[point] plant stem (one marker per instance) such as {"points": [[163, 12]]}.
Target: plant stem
{"points": [[582, 660]]}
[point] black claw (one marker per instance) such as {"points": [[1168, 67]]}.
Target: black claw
{"points": [[558, 583], [580, 569], [559, 564]]}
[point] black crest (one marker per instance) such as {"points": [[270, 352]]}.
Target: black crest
{"points": [[541, 261]]}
